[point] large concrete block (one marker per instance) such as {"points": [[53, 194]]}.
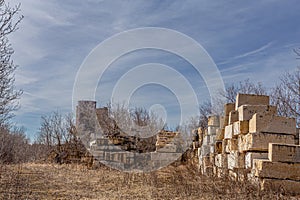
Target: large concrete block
{"points": [[272, 124], [277, 170], [251, 99], [220, 133], [236, 160], [284, 153], [233, 117], [260, 141], [232, 145], [240, 127], [228, 132], [247, 111], [288, 186], [228, 108], [224, 144], [250, 156], [222, 120], [221, 161], [214, 120]]}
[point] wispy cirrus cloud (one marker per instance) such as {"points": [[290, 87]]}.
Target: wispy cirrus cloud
{"points": [[250, 41]]}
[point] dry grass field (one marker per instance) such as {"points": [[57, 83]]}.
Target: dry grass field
{"points": [[49, 181]]}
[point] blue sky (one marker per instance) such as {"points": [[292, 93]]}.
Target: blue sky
{"points": [[245, 39]]}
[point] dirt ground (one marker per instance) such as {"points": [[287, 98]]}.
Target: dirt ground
{"points": [[49, 181]]}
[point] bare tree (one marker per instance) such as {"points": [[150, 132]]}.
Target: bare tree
{"points": [[8, 93], [56, 129], [286, 95], [205, 110], [14, 146], [246, 87]]}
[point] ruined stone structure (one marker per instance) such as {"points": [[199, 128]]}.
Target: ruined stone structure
{"points": [[109, 145], [251, 143]]}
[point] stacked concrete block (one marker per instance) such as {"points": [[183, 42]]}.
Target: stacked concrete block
{"points": [[280, 170], [260, 141], [284, 153], [272, 124], [228, 131], [207, 151], [233, 117], [247, 111], [251, 99], [250, 156], [252, 143]]}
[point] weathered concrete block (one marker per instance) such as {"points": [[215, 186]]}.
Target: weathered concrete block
{"points": [[233, 117], [220, 133], [251, 99], [214, 120], [277, 170], [222, 120], [240, 127], [232, 145], [221, 161], [250, 156], [228, 132], [247, 111], [228, 108], [272, 124], [212, 130], [260, 141], [284, 153], [288, 186], [236, 160], [224, 144]]}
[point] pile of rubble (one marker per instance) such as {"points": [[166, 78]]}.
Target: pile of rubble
{"points": [[251, 143]]}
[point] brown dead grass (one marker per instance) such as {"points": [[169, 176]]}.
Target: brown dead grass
{"points": [[46, 181]]}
